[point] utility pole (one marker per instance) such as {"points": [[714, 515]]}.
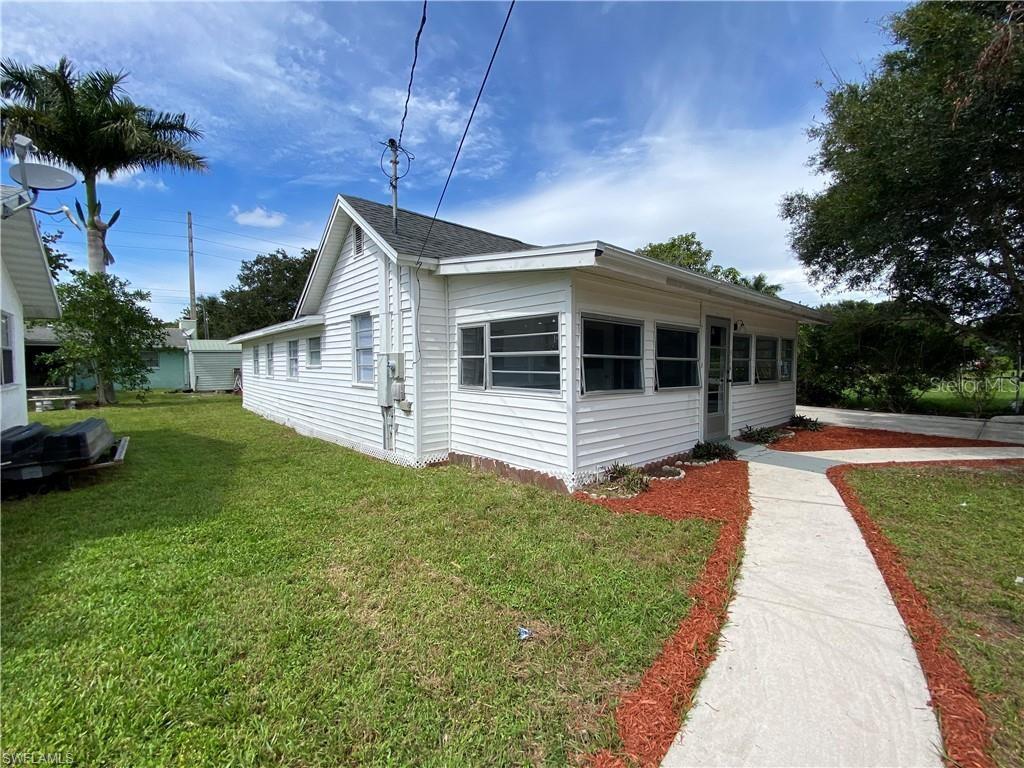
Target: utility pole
{"points": [[191, 273], [393, 146]]}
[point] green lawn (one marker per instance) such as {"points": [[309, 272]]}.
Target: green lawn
{"points": [[943, 402], [239, 595], [960, 531]]}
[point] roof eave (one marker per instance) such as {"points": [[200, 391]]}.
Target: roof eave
{"points": [[306, 321]]}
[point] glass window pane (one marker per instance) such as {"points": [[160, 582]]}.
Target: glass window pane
{"points": [[364, 373], [545, 324], [766, 349], [741, 371], [676, 343], [717, 335], [471, 372], [677, 373], [472, 341], [602, 337], [713, 402], [541, 343], [525, 363], [526, 380], [606, 374]]}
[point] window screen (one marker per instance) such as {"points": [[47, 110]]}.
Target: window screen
{"points": [[313, 351], [612, 355], [362, 344], [523, 353], [293, 357], [472, 358], [676, 350], [740, 359], [766, 366]]}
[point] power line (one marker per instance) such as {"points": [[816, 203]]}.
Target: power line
{"points": [[462, 141], [412, 71]]}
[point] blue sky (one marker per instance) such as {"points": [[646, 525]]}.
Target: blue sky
{"points": [[626, 122]]}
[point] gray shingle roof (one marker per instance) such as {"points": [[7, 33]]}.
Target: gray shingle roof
{"points": [[447, 239], [43, 335]]}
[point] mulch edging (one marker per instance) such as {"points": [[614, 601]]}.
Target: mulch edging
{"points": [[965, 729], [650, 716], [832, 438]]}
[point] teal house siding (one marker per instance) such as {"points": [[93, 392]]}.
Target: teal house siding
{"points": [[170, 372]]}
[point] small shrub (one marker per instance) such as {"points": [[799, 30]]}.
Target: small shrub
{"points": [[763, 435], [711, 450], [805, 423], [626, 480]]}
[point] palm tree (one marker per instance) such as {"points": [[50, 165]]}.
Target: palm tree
{"points": [[86, 122], [759, 282]]}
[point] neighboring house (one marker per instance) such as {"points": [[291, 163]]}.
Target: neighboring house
{"points": [[552, 362], [168, 367], [213, 365], [26, 293]]}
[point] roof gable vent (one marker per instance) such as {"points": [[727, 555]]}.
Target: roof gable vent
{"points": [[358, 238]]}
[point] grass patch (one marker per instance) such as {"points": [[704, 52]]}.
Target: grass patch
{"points": [[239, 595], [959, 530]]}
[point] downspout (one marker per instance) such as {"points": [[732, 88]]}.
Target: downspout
{"points": [[570, 430]]}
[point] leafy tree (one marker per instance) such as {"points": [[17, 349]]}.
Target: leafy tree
{"points": [[58, 260], [924, 168], [267, 292], [888, 352], [688, 251], [87, 122], [103, 330]]}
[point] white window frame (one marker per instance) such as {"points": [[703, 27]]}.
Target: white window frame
{"points": [[782, 360], [489, 354], [270, 358], [657, 358], [7, 347], [319, 351], [482, 327], [256, 360], [757, 378], [293, 359], [643, 348], [356, 349], [750, 364]]}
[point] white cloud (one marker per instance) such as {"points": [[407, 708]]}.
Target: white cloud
{"points": [[135, 179], [725, 185], [258, 217]]}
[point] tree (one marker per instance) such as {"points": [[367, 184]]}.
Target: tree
{"points": [[88, 123], [888, 352], [103, 330], [924, 167], [267, 292], [688, 251], [57, 259]]}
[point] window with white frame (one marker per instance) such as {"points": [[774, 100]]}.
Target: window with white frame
{"points": [[740, 359], [7, 345], [612, 355], [313, 352], [270, 359], [255, 361], [357, 240], [472, 356], [786, 361], [523, 353], [362, 346], [766, 359], [293, 358], [676, 354]]}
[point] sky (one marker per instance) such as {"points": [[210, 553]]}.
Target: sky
{"points": [[622, 122]]}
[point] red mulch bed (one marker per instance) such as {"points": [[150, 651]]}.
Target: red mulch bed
{"points": [[650, 716], [839, 438], [965, 728]]}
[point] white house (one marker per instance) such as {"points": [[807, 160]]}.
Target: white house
{"points": [[547, 362], [26, 293]]}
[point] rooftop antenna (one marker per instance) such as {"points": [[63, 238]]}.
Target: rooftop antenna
{"points": [[33, 178], [392, 146]]}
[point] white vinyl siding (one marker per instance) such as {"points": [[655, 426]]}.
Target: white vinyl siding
{"points": [[14, 403], [327, 402], [635, 427], [768, 403], [523, 428]]}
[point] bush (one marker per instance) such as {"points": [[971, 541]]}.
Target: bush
{"points": [[805, 423], [629, 480], [763, 435], [711, 450]]}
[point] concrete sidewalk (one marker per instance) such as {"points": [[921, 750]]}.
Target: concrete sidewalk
{"points": [[815, 666], [878, 455]]}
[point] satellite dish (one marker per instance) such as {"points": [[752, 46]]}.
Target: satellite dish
{"points": [[39, 176]]}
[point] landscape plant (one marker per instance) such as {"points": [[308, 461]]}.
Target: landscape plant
{"points": [[710, 451], [103, 331]]}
